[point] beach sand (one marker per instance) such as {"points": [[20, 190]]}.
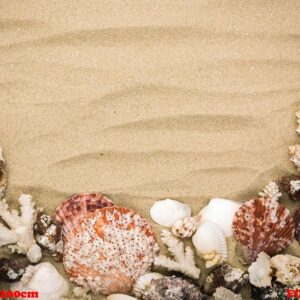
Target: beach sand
{"points": [[144, 100]]}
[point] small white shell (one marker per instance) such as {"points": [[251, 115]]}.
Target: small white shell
{"points": [[167, 212], [185, 227], [209, 238], [221, 212], [260, 271], [143, 282], [44, 279], [120, 297]]}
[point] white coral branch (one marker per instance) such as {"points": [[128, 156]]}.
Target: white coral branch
{"points": [[271, 191], [20, 233], [184, 256]]}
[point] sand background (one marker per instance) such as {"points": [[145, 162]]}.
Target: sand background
{"points": [[144, 100]]}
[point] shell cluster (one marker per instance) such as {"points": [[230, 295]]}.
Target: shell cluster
{"points": [[263, 225], [106, 248]]}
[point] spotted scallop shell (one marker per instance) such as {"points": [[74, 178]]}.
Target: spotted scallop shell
{"points": [[263, 224], [74, 208], [297, 224], [106, 250]]}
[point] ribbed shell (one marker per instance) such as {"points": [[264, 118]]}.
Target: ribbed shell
{"points": [[264, 225], [74, 208], [108, 249], [297, 224]]}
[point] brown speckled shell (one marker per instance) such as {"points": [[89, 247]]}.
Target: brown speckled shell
{"points": [[285, 183], [70, 211], [108, 249], [225, 276], [263, 224], [297, 224]]}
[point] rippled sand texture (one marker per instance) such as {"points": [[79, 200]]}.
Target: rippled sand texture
{"points": [[148, 99]]}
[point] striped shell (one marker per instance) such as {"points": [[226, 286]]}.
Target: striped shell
{"points": [[297, 224], [263, 224], [107, 249], [78, 206]]}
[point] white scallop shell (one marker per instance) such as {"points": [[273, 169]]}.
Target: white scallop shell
{"points": [[44, 279], [221, 212], [167, 212], [260, 272], [209, 238], [120, 297]]}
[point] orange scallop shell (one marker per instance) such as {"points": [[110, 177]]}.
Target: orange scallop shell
{"points": [[263, 224]]}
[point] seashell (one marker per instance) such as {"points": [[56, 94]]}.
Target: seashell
{"points": [[224, 294], [212, 259], [287, 269], [167, 212], [3, 176], [291, 185], [185, 227], [260, 272], [43, 279], [108, 249], [143, 283], [48, 235], [225, 276], [120, 297], [78, 206], [221, 212], [263, 225], [12, 269], [172, 287], [297, 224], [209, 238]]}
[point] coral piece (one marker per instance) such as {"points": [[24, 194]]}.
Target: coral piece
{"points": [[295, 155], [225, 276], [43, 279], [3, 176], [210, 238], [222, 293], [21, 232], [184, 256], [71, 210], [48, 235], [185, 227], [108, 249], [297, 224], [271, 191], [263, 225], [287, 269], [260, 272], [143, 283], [12, 269], [167, 212], [291, 185], [171, 288]]}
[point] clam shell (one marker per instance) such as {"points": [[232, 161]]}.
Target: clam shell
{"points": [[297, 224], [225, 276], [263, 225], [108, 249], [209, 238], [70, 211]]}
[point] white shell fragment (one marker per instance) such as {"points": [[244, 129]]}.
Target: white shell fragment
{"points": [[210, 238], [44, 279], [167, 212], [143, 283], [260, 272], [221, 212], [120, 297]]}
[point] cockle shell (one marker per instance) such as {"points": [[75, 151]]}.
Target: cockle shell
{"points": [[263, 225], [3, 176], [107, 249], [291, 185], [225, 276], [221, 212], [260, 272], [167, 212], [297, 224], [185, 227], [44, 279], [209, 238]]}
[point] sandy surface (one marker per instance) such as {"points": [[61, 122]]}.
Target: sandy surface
{"points": [[148, 99]]}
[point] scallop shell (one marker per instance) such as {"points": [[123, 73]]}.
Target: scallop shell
{"points": [[74, 208], [291, 185], [297, 224], [263, 225], [3, 176], [108, 249], [209, 238], [225, 276]]}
